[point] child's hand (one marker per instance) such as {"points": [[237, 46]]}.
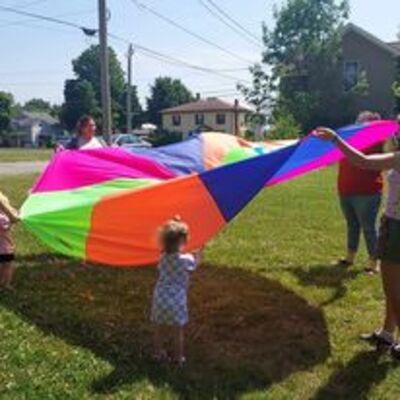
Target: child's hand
{"points": [[326, 134], [15, 216], [58, 147], [198, 255]]}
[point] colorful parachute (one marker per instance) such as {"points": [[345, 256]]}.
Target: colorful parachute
{"points": [[105, 205]]}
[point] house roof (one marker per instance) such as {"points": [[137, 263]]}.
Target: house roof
{"points": [[395, 46], [389, 47], [40, 116], [28, 117], [210, 104]]}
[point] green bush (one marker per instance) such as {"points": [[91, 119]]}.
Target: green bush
{"points": [[162, 138], [284, 127]]}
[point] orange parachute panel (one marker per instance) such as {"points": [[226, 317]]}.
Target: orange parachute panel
{"points": [[122, 227]]}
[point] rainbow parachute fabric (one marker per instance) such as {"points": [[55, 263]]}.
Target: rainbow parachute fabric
{"points": [[105, 205]]}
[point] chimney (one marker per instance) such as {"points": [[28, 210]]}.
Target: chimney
{"points": [[236, 117], [197, 96]]}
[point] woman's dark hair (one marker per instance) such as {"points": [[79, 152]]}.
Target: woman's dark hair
{"points": [[368, 116], [82, 123]]}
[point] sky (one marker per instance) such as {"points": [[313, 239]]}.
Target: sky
{"points": [[36, 55]]}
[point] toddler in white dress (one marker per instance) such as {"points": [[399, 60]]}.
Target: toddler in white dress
{"points": [[169, 306]]}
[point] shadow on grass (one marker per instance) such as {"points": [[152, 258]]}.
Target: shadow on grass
{"points": [[246, 332], [326, 276], [356, 379]]}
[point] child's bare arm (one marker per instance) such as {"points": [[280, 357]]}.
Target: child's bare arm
{"points": [[198, 256], [8, 209]]}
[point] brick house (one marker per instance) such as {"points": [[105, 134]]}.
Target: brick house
{"points": [[364, 52]]}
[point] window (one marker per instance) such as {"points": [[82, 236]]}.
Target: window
{"points": [[199, 119], [220, 119], [350, 75], [176, 120]]}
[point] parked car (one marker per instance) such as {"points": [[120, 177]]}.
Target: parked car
{"points": [[63, 140], [129, 140]]}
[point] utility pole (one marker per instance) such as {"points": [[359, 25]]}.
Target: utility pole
{"points": [[129, 91], [104, 73], [236, 117]]}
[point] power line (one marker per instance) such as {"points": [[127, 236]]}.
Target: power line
{"points": [[229, 18], [24, 21], [30, 4], [221, 91], [30, 72], [180, 63], [235, 94], [144, 50], [225, 22], [87, 31], [175, 61], [233, 69], [35, 26], [31, 83], [187, 31]]}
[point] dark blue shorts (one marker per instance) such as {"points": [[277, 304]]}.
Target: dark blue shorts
{"points": [[389, 240], [6, 258]]}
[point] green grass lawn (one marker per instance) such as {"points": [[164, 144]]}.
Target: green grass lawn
{"points": [[13, 155], [271, 318]]}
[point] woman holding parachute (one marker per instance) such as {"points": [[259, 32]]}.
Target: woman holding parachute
{"points": [[389, 246]]}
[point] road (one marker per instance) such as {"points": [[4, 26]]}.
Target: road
{"points": [[22, 167]]}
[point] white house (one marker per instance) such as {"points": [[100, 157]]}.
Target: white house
{"points": [[211, 114], [33, 129]]}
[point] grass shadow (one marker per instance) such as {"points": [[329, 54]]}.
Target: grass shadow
{"points": [[246, 332], [356, 379], [326, 276]]}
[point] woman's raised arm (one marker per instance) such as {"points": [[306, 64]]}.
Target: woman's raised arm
{"points": [[378, 162]]}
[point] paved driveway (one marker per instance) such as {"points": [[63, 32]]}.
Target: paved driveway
{"points": [[22, 167]]}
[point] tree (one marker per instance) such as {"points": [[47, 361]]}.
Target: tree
{"points": [[137, 111], [396, 86], [80, 99], [56, 110], [87, 67], [37, 105], [87, 71], [6, 104], [259, 96], [302, 54], [165, 93]]}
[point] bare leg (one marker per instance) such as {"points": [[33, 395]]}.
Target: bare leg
{"points": [[157, 343], [353, 227], [2, 275], [179, 344], [350, 256], [373, 267], [8, 274], [389, 324], [391, 284]]}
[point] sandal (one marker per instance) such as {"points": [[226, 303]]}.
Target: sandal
{"points": [[181, 362], [371, 271], [160, 357], [395, 352], [375, 339]]}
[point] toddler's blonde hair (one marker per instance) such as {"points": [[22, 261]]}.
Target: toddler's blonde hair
{"points": [[173, 234]]}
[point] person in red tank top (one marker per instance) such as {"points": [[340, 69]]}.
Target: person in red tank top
{"points": [[360, 193]]}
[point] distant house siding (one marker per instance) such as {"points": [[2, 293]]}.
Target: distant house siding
{"points": [[188, 121], [380, 68], [32, 129]]}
